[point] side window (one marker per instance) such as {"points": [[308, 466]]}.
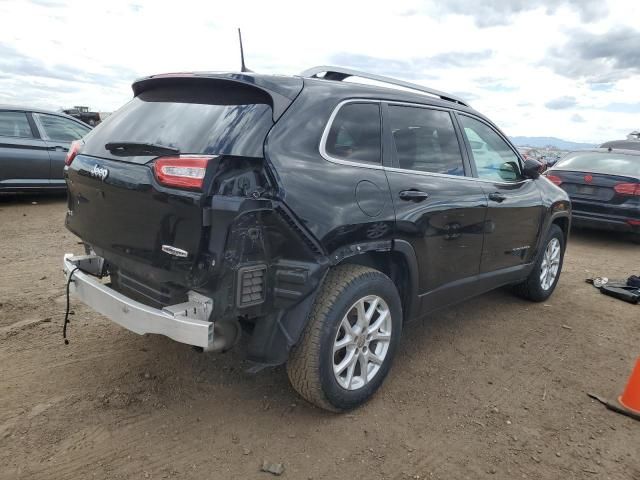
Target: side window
{"points": [[493, 157], [15, 124], [355, 133], [425, 140], [62, 129]]}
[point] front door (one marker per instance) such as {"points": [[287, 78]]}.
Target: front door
{"points": [[515, 209], [439, 210], [58, 133]]}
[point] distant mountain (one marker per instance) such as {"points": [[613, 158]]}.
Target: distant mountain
{"points": [[541, 142]]}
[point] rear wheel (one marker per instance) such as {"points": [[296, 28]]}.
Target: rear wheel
{"points": [[350, 341], [544, 277]]}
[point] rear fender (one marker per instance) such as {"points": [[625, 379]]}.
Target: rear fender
{"points": [[263, 235], [276, 333]]}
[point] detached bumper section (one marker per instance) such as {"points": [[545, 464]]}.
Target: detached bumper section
{"points": [[186, 322]]}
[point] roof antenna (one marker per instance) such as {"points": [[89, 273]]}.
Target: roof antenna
{"points": [[243, 67]]}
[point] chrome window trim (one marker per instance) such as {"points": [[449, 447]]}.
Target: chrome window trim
{"points": [[446, 175], [329, 158], [417, 105]]}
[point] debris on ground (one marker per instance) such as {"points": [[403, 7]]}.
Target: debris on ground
{"points": [[627, 290], [273, 468]]}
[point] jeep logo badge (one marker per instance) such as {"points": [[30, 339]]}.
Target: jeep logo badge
{"points": [[99, 172]]}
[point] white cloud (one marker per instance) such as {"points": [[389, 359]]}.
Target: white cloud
{"points": [[57, 53]]}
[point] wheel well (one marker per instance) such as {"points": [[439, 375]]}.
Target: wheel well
{"points": [[563, 223], [394, 266]]}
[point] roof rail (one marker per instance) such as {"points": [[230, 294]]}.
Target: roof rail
{"points": [[340, 73]]}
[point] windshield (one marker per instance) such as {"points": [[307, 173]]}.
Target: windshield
{"points": [[605, 162], [213, 121]]}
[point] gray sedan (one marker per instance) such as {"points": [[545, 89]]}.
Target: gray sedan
{"points": [[33, 146]]}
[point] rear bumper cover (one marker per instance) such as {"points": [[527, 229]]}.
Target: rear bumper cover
{"points": [[602, 222], [185, 322]]}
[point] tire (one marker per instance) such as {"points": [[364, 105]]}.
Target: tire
{"points": [[635, 238], [312, 362], [534, 288]]}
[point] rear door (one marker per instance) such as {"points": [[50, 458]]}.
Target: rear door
{"points": [[439, 210], [24, 161], [58, 132], [514, 215]]}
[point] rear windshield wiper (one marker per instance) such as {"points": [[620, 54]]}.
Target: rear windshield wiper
{"points": [[131, 149]]}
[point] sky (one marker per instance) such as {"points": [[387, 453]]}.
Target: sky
{"points": [[562, 68]]}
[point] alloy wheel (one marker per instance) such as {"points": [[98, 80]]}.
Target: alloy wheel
{"points": [[550, 264], [362, 342]]}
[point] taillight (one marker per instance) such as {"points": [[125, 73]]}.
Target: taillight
{"points": [[181, 172], [74, 149], [554, 179], [634, 223], [627, 188]]}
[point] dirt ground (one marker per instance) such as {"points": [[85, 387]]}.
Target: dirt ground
{"points": [[493, 388]]}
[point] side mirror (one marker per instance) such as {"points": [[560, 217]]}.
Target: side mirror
{"points": [[533, 168], [508, 171]]}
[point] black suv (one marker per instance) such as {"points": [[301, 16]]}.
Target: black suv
{"points": [[314, 215]]}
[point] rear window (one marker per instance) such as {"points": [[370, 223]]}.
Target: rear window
{"points": [[606, 163], [220, 119], [355, 133]]}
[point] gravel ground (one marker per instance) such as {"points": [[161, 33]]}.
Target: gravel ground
{"points": [[493, 388]]}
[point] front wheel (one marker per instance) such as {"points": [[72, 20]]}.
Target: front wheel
{"points": [[544, 277], [349, 343]]}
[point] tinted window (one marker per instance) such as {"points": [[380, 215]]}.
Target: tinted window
{"points": [[63, 129], [607, 163], [493, 157], [214, 120], [14, 124], [425, 140], [355, 133]]}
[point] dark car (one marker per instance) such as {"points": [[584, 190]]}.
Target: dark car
{"points": [[622, 144], [604, 187], [312, 214], [33, 146]]}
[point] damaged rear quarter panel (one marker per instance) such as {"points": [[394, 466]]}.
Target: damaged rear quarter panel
{"points": [[251, 230]]}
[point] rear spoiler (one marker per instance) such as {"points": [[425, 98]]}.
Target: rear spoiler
{"points": [[281, 90]]}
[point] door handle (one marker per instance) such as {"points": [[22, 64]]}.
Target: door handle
{"points": [[413, 195], [497, 197]]}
